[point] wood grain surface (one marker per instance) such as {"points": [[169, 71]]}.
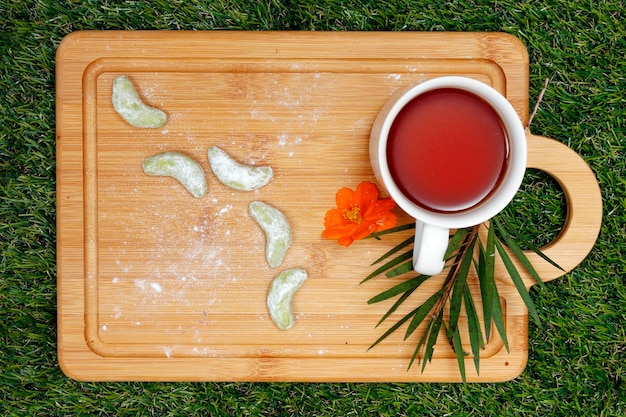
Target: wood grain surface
{"points": [[154, 284]]}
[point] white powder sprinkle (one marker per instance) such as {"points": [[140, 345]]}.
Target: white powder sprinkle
{"points": [[156, 287], [142, 285], [284, 140], [225, 210]]}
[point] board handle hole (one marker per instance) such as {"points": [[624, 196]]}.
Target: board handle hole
{"points": [[539, 209]]}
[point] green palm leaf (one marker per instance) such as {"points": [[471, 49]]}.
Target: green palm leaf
{"points": [[389, 265], [422, 312], [518, 282], [486, 264], [395, 305], [398, 289], [460, 281], [401, 269], [476, 337], [433, 332], [457, 347], [395, 249], [465, 249]]}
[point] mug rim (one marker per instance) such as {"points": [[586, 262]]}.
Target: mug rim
{"points": [[499, 198]]}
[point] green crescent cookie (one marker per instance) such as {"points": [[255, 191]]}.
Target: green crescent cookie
{"points": [[128, 104], [180, 166], [236, 175], [277, 231], [280, 296]]}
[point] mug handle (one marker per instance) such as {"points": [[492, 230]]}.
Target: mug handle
{"points": [[584, 209], [431, 243]]}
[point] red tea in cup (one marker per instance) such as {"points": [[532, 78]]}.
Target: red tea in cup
{"points": [[447, 150], [451, 152]]}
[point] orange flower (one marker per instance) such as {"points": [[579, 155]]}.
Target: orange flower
{"points": [[358, 214]]}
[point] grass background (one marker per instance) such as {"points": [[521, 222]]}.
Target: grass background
{"points": [[577, 359]]}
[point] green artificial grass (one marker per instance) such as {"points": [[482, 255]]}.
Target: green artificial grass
{"points": [[577, 358]]}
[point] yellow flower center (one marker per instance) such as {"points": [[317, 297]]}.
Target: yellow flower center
{"points": [[353, 215]]}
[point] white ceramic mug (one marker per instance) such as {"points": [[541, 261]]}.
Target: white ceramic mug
{"points": [[433, 226]]}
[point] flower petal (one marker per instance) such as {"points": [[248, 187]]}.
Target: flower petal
{"points": [[385, 222], [363, 230], [380, 208], [385, 204], [334, 217], [337, 231], [345, 241], [345, 198], [366, 195]]}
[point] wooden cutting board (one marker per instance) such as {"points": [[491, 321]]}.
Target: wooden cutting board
{"points": [[154, 284]]}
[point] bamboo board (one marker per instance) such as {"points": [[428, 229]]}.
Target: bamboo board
{"points": [[154, 284]]}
